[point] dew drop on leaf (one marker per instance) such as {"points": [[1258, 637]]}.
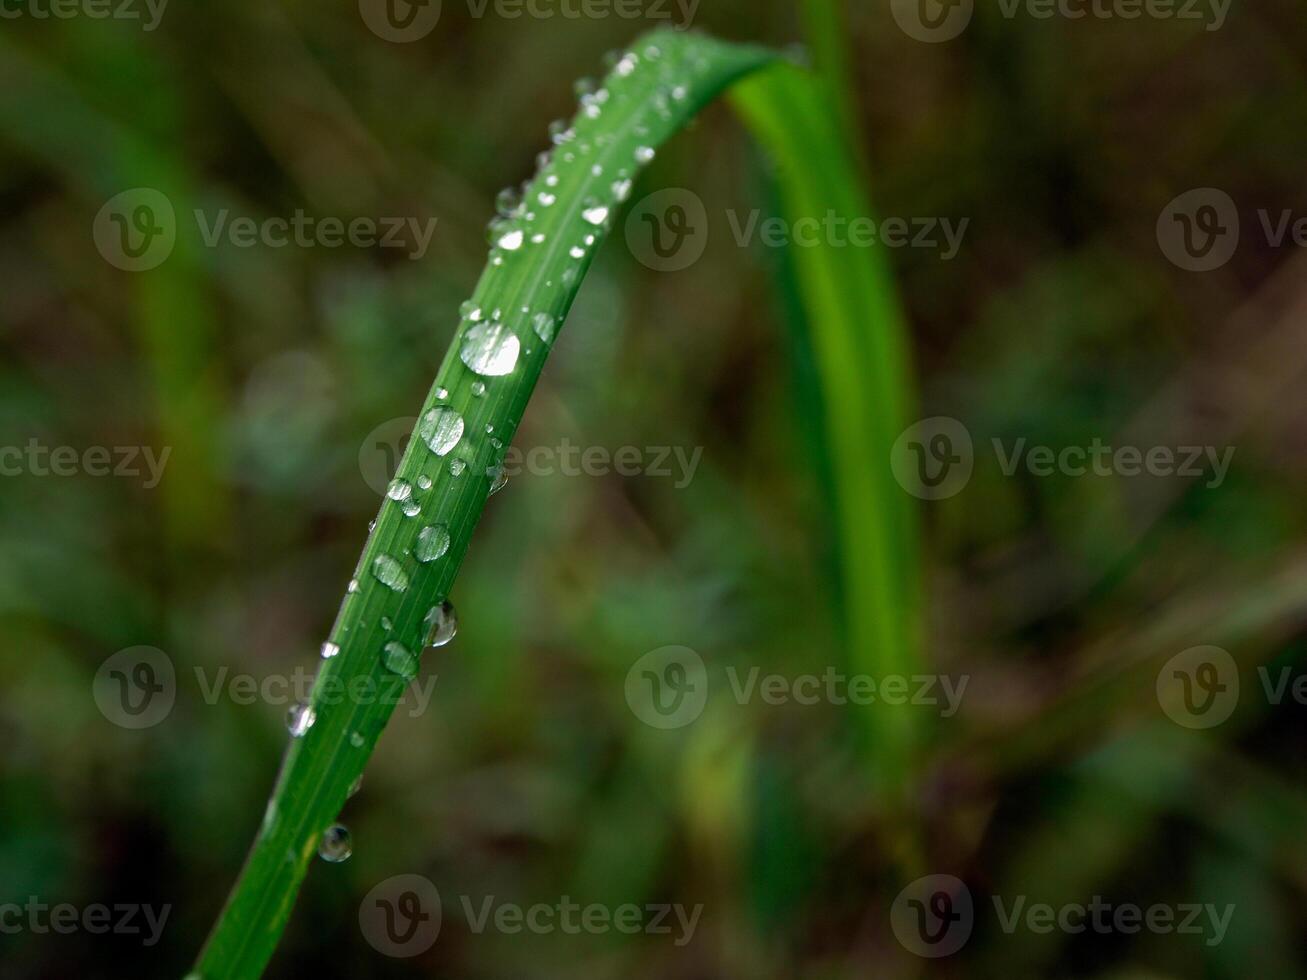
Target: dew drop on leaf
{"points": [[433, 542], [336, 845], [300, 718], [399, 659], [389, 573], [440, 429], [442, 624], [490, 349]]}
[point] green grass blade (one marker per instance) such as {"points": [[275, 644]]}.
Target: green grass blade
{"points": [[856, 330], [652, 93]]}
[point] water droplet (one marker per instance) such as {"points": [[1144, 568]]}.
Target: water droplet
{"points": [[545, 327], [538, 237], [400, 660], [433, 542], [356, 740], [456, 467], [424, 482], [440, 429], [353, 586], [469, 311], [596, 215], [622, 189], [497, 484], [508, 201], [355, 787], [547, 199], [389, 573], [386, 624], [336, 845], [330, 650], [551, 180], [442, 624], [411, 508], [490, 349], [478, 388], [490, 427], [300, 718], [399, 490], [645, 154], [577, 252], [511, 241], [627, 64]]}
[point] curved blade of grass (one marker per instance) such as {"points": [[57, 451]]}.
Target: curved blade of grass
{"points": [[651, 93]]}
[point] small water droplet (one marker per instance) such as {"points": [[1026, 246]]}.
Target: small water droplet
{"points": [[469, 311], [386, 624], [442, 624], [300, 718], [645, 154], [336, 845], [546, 199], [456, 467], [424, 482], [399, 490], [442, 394], [440, 429], [356, 740], [511, 241], [507, 201], [353, 586], [490, 349], [432, 543], [497, 484], [389, 573], [577, 252], [545, 327], [596, 215], [399, 659], [538, 237], [551, 180], [355, 787], [411, 508], [478, 388], [330, 650], [627, 64]]}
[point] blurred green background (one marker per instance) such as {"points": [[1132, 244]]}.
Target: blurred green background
{"points": [[266, 373]]}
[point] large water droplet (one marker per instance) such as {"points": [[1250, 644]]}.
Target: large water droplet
{"points": [[399, 490], [336, 844], [433, 542], [490, 349], [442, 624], [389, 573], [440, 429], [400, 660], [300, 718]]}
